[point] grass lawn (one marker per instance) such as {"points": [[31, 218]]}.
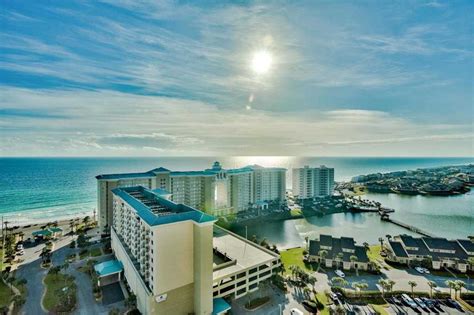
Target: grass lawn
{"points": [[322, 297], [5, 294], [296, 212], [374, 253], [55, 297], [294, 256], [95, 252], [381, 309]]}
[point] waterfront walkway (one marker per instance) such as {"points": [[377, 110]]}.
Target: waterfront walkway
{"points": [[409, 227]]}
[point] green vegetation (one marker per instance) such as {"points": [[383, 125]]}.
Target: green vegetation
{"points": [[323, 299], [374, 253], [296, 212], [380, 308], [60, 295], [294, 257], [6, 294], [95, 252]]}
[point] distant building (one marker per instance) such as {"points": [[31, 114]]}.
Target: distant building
{"points": [[216, 191], [175, 260], [440, 252], [309, 182], [338, 253]]}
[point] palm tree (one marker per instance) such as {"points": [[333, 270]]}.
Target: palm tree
{"points": [[412, 284], [383, 285], [322, 254], [459, 284], [450, 284], [390, 284], [381, 243], [363, 286], [432, 285], [355, 285], [338, 280]]}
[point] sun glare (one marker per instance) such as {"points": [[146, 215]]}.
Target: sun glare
{"points": [[261, 62]]}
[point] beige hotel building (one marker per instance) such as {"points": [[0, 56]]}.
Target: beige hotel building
{"points": [[216, 191], [175, 260]]}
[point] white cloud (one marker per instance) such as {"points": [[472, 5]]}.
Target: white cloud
{"points": [[112, 123]]}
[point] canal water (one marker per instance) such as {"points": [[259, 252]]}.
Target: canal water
{"points": [[451, 217]]}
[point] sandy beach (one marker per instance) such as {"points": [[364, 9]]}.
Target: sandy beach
{"points": [[28, 229]]}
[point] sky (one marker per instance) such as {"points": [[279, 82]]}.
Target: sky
{"points": [[177, 78]]}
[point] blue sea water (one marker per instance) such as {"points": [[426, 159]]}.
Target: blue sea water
{"points": [[44, 189]]}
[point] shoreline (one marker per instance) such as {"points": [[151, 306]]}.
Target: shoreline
{"points": [[20, 220]]}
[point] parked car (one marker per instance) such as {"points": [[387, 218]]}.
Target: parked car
{"points": [[456, 305], [19, 246], [339, 273], [429, 303], [396, 301], [421, 304], [408, 301]]}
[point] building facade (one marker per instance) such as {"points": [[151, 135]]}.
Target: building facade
{"points": [[309, 182], [216, 191], [175, 261], [436, 252]]}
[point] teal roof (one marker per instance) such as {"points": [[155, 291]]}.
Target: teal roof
{"points": [[220, 306], [172, 212], [55, 229], [108, 267], [216, 168], [42, 233]]}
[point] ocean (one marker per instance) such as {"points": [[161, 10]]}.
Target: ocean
{"points": [[46, 189]]}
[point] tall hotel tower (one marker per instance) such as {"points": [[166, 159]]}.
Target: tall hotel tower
{"points": [[311, 182]]}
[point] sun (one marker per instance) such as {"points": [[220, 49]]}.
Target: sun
{"points": [[261, 62]]}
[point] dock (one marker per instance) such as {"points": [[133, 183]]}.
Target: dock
{"points": [[407, 226]]}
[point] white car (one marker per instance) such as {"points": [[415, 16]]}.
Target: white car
{"points": [[426, 271], [340, 273], [420, 270]]}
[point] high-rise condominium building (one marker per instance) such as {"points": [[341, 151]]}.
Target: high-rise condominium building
{"points": [[216, 191], [175, 260], [309, 182]]}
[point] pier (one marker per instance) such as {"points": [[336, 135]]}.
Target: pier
{"points": [[407, 226]]}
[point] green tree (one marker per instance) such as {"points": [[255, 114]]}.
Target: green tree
{"points": [[390, 284], [383, 285], [450, 284], [412, 284], [458, 286], [432, 285]]}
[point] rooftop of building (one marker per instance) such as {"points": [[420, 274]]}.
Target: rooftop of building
{"points": [[468, 245], [240, 253], [154, 209], [216, 168], [398, 249], [336, 248], [431, 246]]}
